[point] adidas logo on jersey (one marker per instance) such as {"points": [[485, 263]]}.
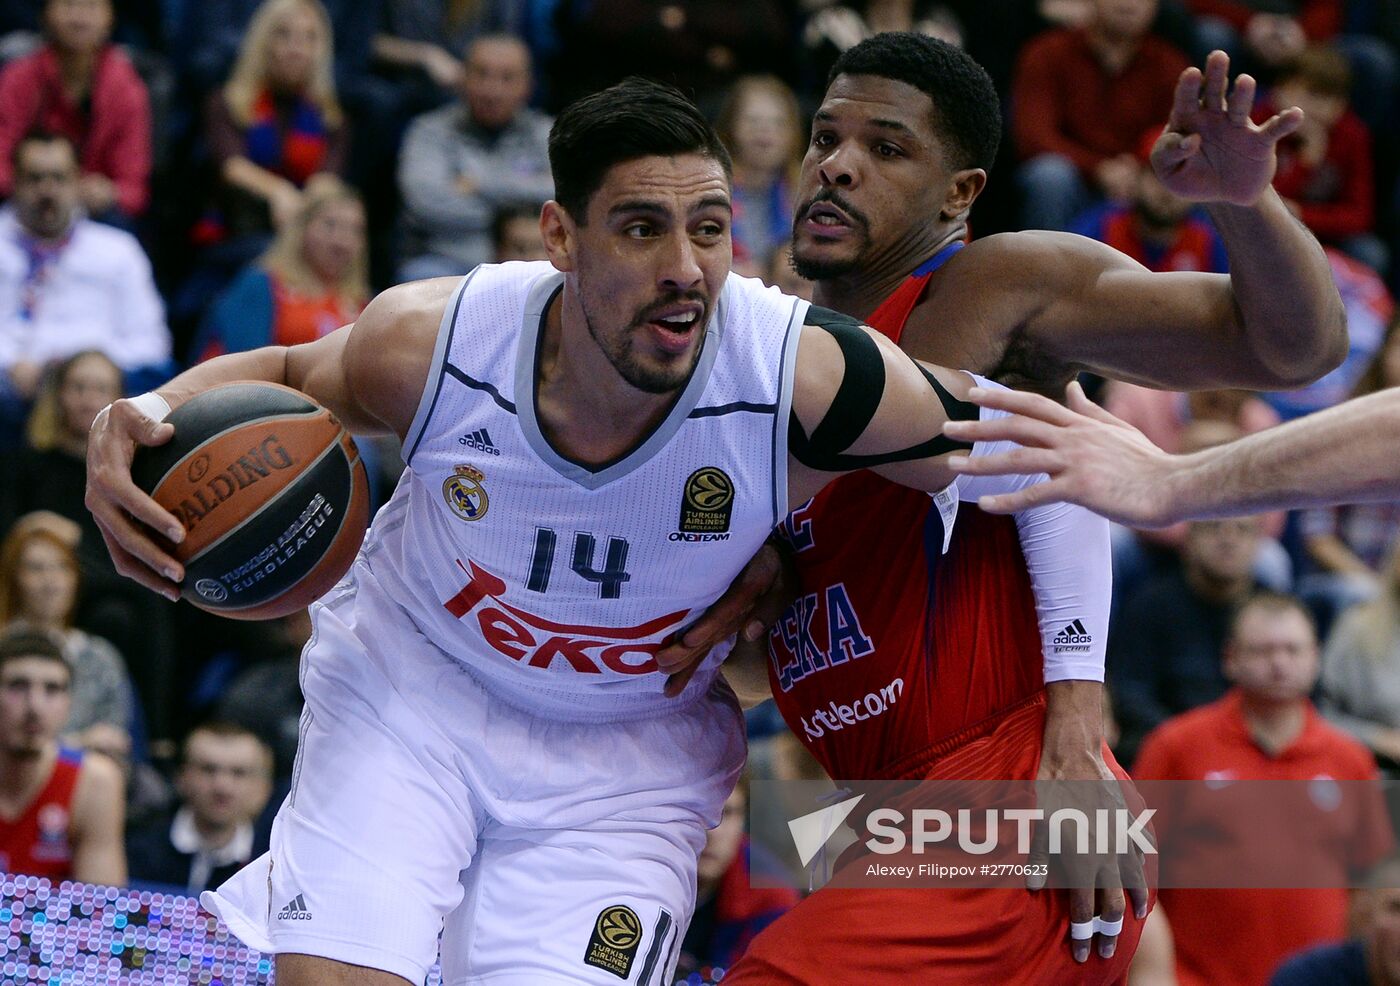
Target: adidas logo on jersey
{"points": [[1073, 638], [296, 910], [481, 441]]}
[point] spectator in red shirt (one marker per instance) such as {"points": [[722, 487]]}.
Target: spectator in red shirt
{"points": [[1265, 728], [60, 810], [1081, 99], [1325, 169], [79, 85]]}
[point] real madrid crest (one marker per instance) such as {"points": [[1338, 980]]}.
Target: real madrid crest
{"points": [[465, 494]]}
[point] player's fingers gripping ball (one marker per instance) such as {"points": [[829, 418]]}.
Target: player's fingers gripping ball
{"points": [[272, 494]]}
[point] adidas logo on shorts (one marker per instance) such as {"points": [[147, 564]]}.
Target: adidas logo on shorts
{"points": [[296, 910], [481, 441], [1073, 638]]}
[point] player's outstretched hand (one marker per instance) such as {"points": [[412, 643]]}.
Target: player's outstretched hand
{"points": [[732, 612], [1092, 458], [125, 515], [1211, 150]]}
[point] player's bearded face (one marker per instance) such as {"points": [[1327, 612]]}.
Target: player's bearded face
{"points": [[627, 350], [830, 236], [653, 257]]}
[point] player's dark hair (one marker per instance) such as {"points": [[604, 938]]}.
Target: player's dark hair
{"points": [[966, 110], [17, 644], [634, 119]]}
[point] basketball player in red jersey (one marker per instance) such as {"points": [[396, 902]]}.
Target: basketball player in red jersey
{"points": [[60, 810], [898, 155]]}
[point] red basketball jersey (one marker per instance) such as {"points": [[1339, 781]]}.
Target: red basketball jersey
{"points": [[36, 843], [898, 651]]}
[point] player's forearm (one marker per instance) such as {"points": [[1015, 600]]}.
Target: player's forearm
{"points": [[1346, 454], [1289, 312], [1073, 722], [268, 364]]}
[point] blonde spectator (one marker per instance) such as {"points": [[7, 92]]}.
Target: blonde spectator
{"points": [[761, 124], [277, 123], [39, 591], [311, 281]]}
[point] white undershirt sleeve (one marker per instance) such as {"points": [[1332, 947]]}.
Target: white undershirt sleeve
{"points": [[1070, 563]]}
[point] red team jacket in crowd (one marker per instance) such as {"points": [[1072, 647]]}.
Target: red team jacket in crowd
{"points": [[36, 843], [901, 662]]}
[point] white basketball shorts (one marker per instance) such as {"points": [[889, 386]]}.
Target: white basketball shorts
{"points": [[544, 851]]}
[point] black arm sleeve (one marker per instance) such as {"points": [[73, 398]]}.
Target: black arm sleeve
{"points": [[856, 402]]}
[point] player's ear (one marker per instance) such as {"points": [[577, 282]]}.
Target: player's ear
{"points": [[560, 235], [963, 188]]}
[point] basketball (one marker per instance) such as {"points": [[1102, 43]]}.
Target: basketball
{"points": [[272, 494]]}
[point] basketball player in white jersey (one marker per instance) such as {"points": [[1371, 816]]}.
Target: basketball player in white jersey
{"points": [[595, 446]]}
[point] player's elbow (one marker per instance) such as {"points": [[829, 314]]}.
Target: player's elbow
{"points": [[1313, 354]]}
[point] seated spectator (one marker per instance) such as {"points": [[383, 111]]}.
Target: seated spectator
{"points": [[1164, 651], [423, 42], [79, 85], [729, 911], [1081, 99], [1360, 686], [49, 476], [39, 592], [1348, 545], [761, 124], [313, 279], [516, 235], [1156, 228], [60, 810], [463, 163], [276, 124], [1265, 34], [1372, 956], [1265, 728], [837, 26], [1369, 310], [67, 283], [224, 782], [1325, 169]]}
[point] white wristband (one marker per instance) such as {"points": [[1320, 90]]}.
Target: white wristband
{"points": [[152, 405]]}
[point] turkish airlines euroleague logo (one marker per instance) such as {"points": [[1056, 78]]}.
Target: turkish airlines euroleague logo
{"points": [[537, 642]]}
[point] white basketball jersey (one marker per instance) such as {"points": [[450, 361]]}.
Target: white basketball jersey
{"points": [[556, 583]]}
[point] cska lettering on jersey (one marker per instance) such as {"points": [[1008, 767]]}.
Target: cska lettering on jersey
{"points": [[533, 641], [795, 651]]}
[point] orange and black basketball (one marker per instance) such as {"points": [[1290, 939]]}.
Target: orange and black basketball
{"points": [[272, 493]]}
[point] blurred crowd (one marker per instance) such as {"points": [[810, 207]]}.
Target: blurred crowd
{"points": [[184, 178]]}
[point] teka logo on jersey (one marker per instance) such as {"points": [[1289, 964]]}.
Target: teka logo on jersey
{"points": [[537, 642]]}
